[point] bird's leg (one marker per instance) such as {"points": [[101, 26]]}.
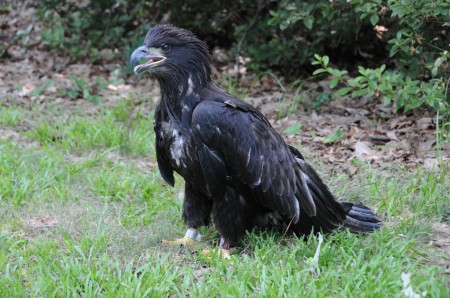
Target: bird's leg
{"points": [[224, 249], [189, 238], [196, 213]]}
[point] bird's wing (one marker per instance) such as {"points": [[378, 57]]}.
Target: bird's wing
{"points": [[235, 141], [164, 165]]}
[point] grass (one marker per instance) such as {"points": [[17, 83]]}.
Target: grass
{"points": [[95, 176]]}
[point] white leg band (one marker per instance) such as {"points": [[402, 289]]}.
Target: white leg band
{"points": [[193, 234]]}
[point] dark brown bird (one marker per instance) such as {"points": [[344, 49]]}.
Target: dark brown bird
{"points": [[238, 170]]}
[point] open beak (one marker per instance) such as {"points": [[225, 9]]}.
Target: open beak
{"points": [[144, 58]]}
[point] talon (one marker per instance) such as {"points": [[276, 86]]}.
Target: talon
{"points": [[181, 241], [224, 253]]}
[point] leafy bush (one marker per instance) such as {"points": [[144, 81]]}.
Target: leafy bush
{"points": [[295, 30], [392, 86], [397, 50], [83, 29], [389, 85], [417, 32], [419, 36], [417, 41], [280, 35]]}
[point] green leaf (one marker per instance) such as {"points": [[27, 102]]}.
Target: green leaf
{"points": [[372, 84], [353, 83], [360, 92], [334, 136], [434, 71], [439, 61], [319, 71], [36, 92], [374, 19], [325, 60], [296, 128], [86, 93], [334, 82], [308, 22], [343, 91], [360, 163]]}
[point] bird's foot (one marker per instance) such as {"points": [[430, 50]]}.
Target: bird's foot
{"points": [[224, 250], [224, 253], [189, 238], [180, 241]]}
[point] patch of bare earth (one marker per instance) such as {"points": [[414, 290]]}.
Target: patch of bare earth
{"points": [[372, 132], [440, 244], [34, 76]]}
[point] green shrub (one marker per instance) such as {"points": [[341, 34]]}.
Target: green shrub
{"points": [[83, 29], [275, 34], [389, 86], [392, 86], [403, 60], [417, 31]]}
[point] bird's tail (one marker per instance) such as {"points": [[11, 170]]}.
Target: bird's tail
{"points": [[360, 219], [328, 213]]}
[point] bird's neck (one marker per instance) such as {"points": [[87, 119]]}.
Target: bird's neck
{"points": [[179, 85], [181, 94]]}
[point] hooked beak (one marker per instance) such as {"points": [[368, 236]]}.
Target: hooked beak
{"points": [[144, 58]]}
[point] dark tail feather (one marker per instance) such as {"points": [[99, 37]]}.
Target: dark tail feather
{"points": [[360, 219], [323, 211]]}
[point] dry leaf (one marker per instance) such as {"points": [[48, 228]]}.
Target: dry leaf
{"points": [[45, 222], [357, 112], [363, 148], [431, 163], [391, 135], [426, 146], [424, 123]]}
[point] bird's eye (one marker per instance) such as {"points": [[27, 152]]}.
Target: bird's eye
{"points": [[165, 47]]}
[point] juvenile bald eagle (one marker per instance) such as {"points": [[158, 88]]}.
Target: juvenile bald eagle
{"points": [[238, 171]]}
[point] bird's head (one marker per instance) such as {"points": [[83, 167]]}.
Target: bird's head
{"points": [[170, 53]]}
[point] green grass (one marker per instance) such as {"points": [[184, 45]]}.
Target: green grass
{"points": [[110, 129], [95, 175]]}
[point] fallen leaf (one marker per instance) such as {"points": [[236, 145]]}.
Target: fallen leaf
{"points": [[363, 148], [45, 222], [357, 112], [426, 146], [391, 135], [424, 123], [431, 163]]}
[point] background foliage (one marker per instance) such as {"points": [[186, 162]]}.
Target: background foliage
{"points": [[402, 45]]}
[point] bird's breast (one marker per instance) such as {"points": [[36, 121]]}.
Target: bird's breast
{"points": [[178, 146], [180, 150]]}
